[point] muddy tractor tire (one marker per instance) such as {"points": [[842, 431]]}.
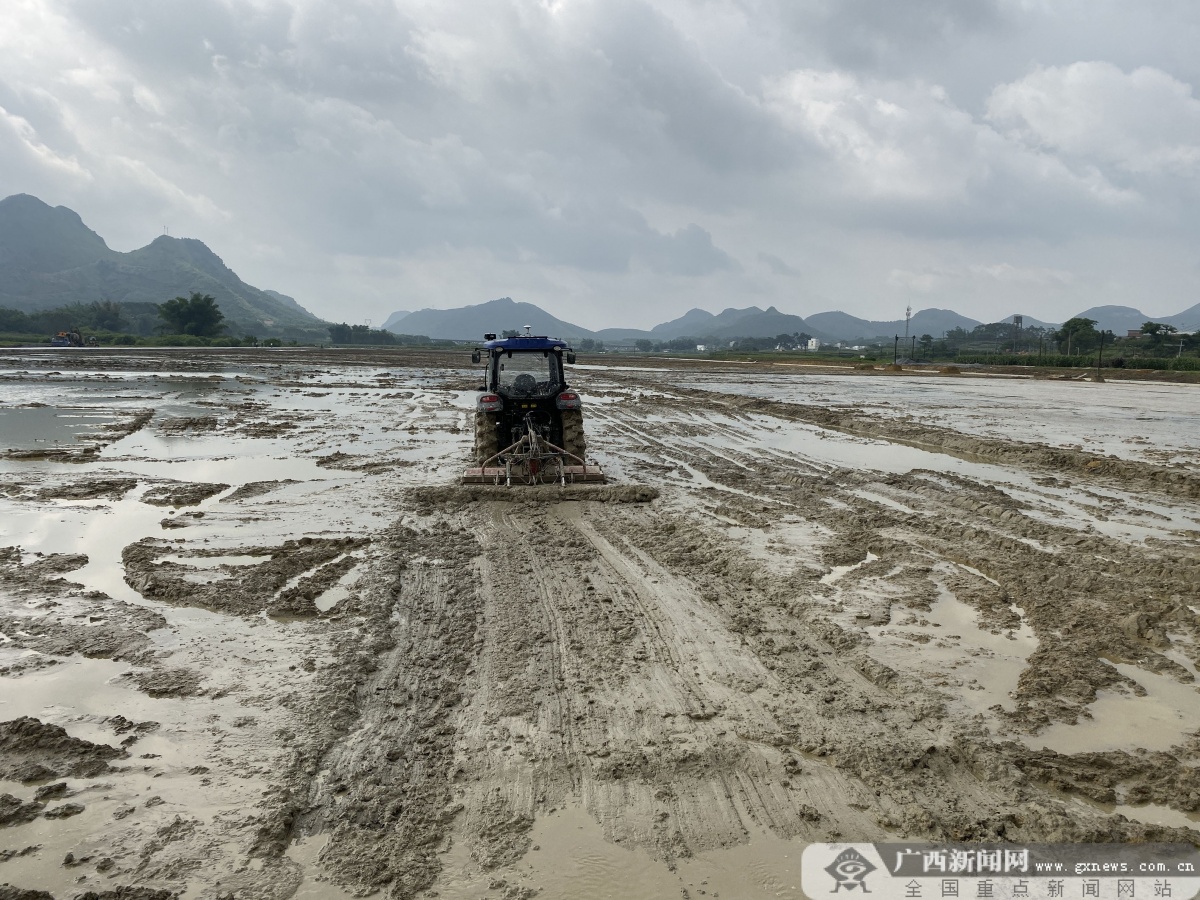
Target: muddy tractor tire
{"points": [[573, 440], [487, 442]]}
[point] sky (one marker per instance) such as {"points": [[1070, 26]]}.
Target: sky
{"points": [[620, 162]]}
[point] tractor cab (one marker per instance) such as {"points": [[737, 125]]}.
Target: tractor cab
{"points": [[524, 367]]}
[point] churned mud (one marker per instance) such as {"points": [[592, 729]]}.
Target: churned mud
{"points": [[256, 642]]}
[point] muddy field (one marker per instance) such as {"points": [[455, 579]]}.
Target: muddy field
{"points": [[256, 643]]}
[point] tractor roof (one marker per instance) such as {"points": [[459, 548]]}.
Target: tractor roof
{"points": [[529, 342]]}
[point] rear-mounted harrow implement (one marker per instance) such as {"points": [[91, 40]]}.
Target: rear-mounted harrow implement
{"points": [[534, 460]]}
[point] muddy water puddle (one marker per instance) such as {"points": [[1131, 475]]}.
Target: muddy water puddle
{"points": [[573, 860], [949, 648], [1159, 815], [314, 886], [838, 572], [101, 531], [1150, 813], [213, 562], [1159, 720], [74, 687], [49, 427], [339, 592]]}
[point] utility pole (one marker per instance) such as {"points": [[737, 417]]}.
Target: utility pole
{"points": [[1018, 321], [1180, 353], [896, 351], [913, 353], [907, 316], [1100, 358]]}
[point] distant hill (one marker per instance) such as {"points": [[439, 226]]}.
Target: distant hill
{"points": [[471, 322], [36, 239], [692, 322], [730, 323], [719, 325], [50, 258], [754, 322], [287, 301], [1120, 319], [1188, 320], [840, 326], [394, 319]]}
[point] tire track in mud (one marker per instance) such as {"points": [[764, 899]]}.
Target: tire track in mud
{"points": [[722, 688], [383, 797], [1083, 620], [618, 706], [919, 771]]}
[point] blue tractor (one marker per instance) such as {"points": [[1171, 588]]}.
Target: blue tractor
{"points": [[528, 421]]}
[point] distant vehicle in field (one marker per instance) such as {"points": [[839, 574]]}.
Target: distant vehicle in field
{"points": [[70, 338], [528, 422]]}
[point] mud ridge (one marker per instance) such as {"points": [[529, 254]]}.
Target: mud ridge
{"points": [[32, 751], [235, 589]]}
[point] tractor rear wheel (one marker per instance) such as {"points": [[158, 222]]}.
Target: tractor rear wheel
{"points": [[573, 440], [487, 442]]}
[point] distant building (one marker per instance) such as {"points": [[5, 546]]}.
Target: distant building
{"points": [[814, 344], [1133, 332], [700, 348]]}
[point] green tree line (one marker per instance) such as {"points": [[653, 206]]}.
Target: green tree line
{"points": [[195, 319], [364, 334], [786, 342]]}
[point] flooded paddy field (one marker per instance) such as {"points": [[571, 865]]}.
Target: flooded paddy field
{"points": [[255, 642]]}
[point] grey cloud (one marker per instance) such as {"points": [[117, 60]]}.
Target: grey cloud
{"points": [[1143, 122], [689, 251], [168, 38], [884, 36], [778, 266], [561, 147], [658, 73]]}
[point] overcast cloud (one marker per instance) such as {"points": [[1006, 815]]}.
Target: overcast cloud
{"points": [[619, 162]]}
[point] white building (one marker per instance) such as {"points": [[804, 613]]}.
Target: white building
{"points": [[814, 344]]}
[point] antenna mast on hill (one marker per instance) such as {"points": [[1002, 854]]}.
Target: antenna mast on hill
{"points": [[907, 316]]}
